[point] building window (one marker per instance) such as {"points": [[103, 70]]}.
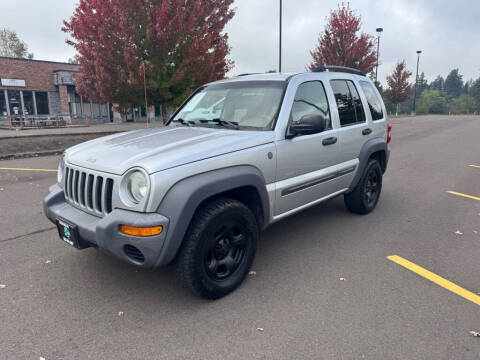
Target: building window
{"points": [[14, 102], [42, 103], [3, 104], [28, 103]]}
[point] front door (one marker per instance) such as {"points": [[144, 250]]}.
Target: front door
{"points": [[306, 164]]}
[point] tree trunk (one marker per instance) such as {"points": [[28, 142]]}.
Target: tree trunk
{"points": [[164, 113]]}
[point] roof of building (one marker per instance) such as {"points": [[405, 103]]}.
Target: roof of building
{"points": [[35, 60]]}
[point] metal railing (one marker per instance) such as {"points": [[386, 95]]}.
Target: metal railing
{"points": [[41, 122]]}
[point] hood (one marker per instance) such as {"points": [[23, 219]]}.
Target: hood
{"points": [[161, 148]]}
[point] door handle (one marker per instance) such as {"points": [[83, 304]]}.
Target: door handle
{"points": [[329, 141], [367, 131]]}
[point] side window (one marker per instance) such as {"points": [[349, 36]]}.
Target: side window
{"points": [[357, 102], [349, 104], [374, 102], [311, 99]]}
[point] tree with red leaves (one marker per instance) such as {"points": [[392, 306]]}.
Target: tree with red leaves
{"points": [[341, 45], [179, 42], [399, 89]]}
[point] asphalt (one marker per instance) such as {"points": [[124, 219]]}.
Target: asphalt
{"points": [[60, 303]]}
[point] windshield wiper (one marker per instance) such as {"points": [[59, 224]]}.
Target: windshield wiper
{"points": [[185, 122], [225, 123]]}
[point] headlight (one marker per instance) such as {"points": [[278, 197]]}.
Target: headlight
{"points": [[60, 172], [137, 186]]}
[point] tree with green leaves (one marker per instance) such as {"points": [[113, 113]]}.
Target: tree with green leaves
{"points": [[438, 84], [422, 84], [475, 93], [464, 104], [454, 84], [12, 46], [432, 102]]}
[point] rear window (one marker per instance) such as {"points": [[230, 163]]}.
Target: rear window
{"points": [[374, 102]]}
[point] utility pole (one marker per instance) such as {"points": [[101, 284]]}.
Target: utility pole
{"points": [[379, 31], [280, 45], [414, 111]]}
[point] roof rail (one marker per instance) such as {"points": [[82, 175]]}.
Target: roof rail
{"points": [[246, 74], [336, 68]]}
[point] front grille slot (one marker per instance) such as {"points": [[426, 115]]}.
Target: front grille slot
{"points": [[89, 191]]}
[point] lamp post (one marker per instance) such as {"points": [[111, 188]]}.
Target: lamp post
{"points": [[280, 45], [379, 31], [414, 111], [145, 91]]}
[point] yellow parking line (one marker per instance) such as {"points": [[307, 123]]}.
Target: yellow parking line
{"points": [[435, 279], [463, 195], [27, 169], [475, 166]]}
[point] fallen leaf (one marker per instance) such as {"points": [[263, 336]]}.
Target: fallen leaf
{"points": [[260, 329], [458, 232], [42, 358], [120, 313], [342, 279], [475, 333], [475, 231], [252, 273], [48, 261]]}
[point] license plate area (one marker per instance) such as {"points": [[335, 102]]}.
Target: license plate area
{"points": [[69, 234]]}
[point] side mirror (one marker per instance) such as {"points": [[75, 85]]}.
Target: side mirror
{"points": [[308, 125]]}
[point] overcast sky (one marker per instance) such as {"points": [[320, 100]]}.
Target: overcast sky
{"points": [[448, 32]]}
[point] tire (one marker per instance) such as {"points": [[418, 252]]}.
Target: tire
{"points": [[218, 249], [364, 197]]}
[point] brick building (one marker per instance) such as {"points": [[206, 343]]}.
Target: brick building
{"points": [[35, 88]]}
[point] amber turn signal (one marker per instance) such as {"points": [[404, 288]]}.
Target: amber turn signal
{"points": [[141, 231]]}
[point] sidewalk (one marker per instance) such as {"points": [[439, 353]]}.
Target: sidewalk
{"points": [[100, 128]]}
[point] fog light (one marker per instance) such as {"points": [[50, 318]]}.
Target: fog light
{"points": [[141, 231]]}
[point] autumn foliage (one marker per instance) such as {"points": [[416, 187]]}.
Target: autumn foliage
{"points": [[181, 44], [399, 89], [340, 43]]}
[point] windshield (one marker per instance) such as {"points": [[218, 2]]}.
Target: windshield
{"points": [[245, 104]]}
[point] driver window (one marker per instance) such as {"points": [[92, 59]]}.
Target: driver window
{"points": [[311, 99]]}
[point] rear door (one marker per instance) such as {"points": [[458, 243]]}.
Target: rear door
{"points": [[355, 127]]}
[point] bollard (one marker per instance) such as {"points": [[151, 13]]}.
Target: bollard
{"points": [[56, 119], [21, 123], [73, 120], [86, 120], [9, 122]]}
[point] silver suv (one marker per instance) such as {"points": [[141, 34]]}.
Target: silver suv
{"points": [[237, 156]]}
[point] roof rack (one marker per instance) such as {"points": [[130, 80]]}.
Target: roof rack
{"points": [[335, 68]]}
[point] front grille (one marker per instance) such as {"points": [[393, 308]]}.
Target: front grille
{"points": [[88, 191]]}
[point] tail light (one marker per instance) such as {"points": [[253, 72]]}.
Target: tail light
{"points": [[389, 136]]}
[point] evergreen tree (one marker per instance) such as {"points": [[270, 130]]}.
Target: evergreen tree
{"points": [[438, 84], [454, 84]]}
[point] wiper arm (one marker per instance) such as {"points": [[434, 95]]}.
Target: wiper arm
{"points": [[225, 123], [185, 122]]}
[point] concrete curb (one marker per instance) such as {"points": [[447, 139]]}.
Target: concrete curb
{"points": [[31, 154]]}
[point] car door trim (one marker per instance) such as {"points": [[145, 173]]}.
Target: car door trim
{"points": [[317, 181]]}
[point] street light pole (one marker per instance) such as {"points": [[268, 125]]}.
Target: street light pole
{"points": [[416, 83], [379, 31], [145, 90], [280, 45]]}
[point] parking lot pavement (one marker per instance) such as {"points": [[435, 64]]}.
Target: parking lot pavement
{"points": [[324, 287]]}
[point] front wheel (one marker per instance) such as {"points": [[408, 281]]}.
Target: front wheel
{"points": [[218, 249], [364, 198]]}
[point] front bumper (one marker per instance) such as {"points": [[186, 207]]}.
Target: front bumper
{"points": [[105, 234]]}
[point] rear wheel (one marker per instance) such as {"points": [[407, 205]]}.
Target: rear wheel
{"points": [[364, 198], [219, 248]]}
